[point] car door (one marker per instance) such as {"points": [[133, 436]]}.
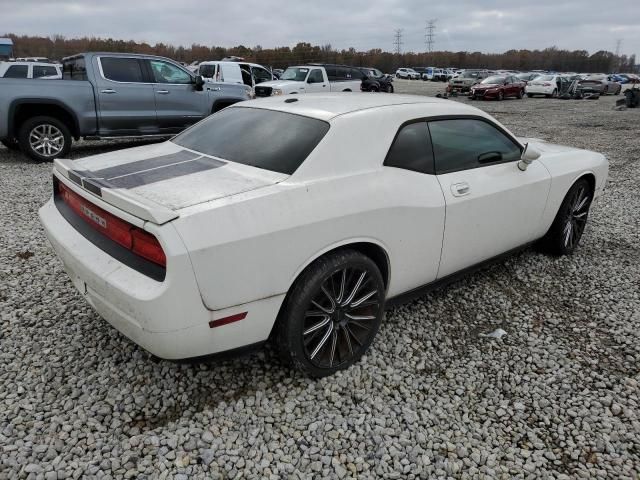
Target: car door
{"points": [[126, 103], [316, 81], [491, 205], [409, 172], [178, 103]]}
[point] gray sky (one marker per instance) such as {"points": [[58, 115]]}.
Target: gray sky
{"points": [[482, 25]]}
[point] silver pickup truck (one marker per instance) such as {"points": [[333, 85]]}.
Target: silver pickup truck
{"points": [[106, 95]]}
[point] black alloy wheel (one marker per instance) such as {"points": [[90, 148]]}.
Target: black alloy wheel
{"points": [[332, 313], [566, 231]]}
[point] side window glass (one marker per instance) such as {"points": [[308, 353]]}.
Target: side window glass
{"points": [[122, 69], [467, 143], [316, 76], [44, 71], [17, 71], [411, 149], [260, 75], [164, 72]]}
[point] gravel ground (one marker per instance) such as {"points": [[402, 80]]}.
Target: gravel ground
{"points": [[557, 397]]}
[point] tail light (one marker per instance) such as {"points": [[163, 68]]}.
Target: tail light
{"points": [[123, 233]]}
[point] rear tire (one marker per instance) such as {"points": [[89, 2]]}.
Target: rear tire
{"points": [[520, 94], [530, 95], [567, 228], [331, 314], [44, 138]]}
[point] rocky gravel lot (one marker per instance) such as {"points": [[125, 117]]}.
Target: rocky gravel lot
{"points": [[557, 397]]}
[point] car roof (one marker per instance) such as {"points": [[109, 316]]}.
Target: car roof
{"points": [[326, 106]]}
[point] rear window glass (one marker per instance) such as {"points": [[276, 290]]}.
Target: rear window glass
{"points": [[16, 71], [411, 149], [268, 139], [44, 71], [74, 69]]}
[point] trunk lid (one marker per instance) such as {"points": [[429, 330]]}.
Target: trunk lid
{"points": [[154, 182]]}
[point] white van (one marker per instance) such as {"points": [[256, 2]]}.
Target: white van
{"points": [[29, 69], [250, 74]]}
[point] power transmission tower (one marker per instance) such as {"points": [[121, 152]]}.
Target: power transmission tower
{"points": [[618, 45], [397, 41], [430, 34]]}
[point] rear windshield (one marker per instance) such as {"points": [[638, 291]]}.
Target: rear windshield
{"points": [[268, 139], [545, 78]]}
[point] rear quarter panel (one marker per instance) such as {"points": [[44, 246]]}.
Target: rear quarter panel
{"points": [[254, 245]]}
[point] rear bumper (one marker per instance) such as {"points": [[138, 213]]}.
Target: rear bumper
{"points": [[166, 318], [539, 90]]}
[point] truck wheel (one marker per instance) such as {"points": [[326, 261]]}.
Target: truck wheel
{"points": [[44, 138], [11, 144]]}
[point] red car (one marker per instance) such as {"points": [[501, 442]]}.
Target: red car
{"points": [[498, 87]]}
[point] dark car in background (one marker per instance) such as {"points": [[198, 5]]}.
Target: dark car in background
{"points": [[498, 87], [376, 81]]}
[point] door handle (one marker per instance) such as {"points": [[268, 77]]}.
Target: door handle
{"points": [[108, 90], [214, 89], [460, 189], [163, 92]]}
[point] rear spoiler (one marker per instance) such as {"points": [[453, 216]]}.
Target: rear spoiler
{"points": [[118, 197]]}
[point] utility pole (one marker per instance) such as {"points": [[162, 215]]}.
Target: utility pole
{"points": [[430, 34], [617, 60], [397, 41]]}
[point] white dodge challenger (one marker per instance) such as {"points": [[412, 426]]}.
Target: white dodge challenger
{"points": [[298, 218]]}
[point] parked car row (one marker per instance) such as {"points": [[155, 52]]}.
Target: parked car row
{"points": [[490, 84], [425, 73]]}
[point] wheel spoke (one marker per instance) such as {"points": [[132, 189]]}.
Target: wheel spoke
{"points": [[334, 341], [355, 289], [359, 317], [363, 299], [318, 325], [322, 342], [346, 336], [330, 297], [582, 203], [357, 340], [567, 235], [317, 305], [343, 281]]}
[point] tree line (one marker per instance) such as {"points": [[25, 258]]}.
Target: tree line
{"points": [[57, 47]]}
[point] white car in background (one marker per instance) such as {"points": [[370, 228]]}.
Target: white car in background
{"points": [[407, 73], [298, 218], [31, 69], [547, 85], [314, 78], [251, 74]]}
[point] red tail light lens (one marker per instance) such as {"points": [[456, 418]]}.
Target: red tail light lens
{"points": [[130, 237], [147, 246]]}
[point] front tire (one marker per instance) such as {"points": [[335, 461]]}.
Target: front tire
{"points": [[567, 228], [500, 96], [389, 88], [44, 138], [331, 314]]}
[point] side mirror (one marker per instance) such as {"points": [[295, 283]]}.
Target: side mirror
{"points": [[529, 154], [199, 81]]}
